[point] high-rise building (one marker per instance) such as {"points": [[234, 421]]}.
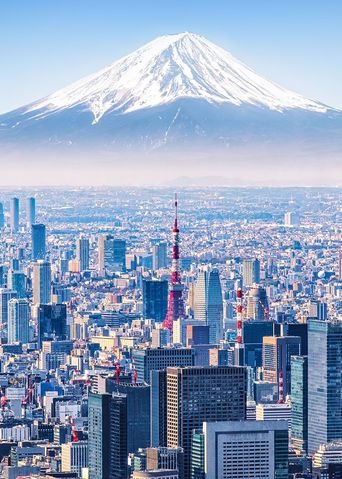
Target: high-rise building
{"points": [[30, 212], [18, 321], [250, 272], [253, 333], [198, 394], [244, 450], [208, 303], [155, 299], [82, 253], [159, 256], [157, 359], [41, 282], [291, 219], [74, 456], [324, 382], [2, 216], [138, 412], [277, 352], [6, 295], [318, 310], [257, 304], [299, 401], [158, 403], [51, 321], [14, 214], [38, 240], [16, 280], [112, 253], [295, 329], [107, 437]]}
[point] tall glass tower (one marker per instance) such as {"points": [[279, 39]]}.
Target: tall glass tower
{"points": [[299, 401], [18, 321], [41, 282], [38, 236], [14, 214], [30, 212], [324, 382], [208, 303], [2, 217]]}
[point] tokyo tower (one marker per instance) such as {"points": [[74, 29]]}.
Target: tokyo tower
{"points": [[176, 304]]}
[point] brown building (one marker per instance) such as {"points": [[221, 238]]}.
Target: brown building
{"points": [[276, 358]]}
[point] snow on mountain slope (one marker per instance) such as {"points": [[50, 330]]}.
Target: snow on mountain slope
{"points": [[169, 68]]}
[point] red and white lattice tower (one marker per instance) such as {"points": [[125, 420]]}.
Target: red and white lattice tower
{"points": [[239, 346], [280, 388], [176, 304]]}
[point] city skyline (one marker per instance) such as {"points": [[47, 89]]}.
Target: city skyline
{"points": [[119, 378]]}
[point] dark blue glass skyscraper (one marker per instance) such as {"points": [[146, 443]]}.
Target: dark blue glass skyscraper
{"points": [[38, 235]]}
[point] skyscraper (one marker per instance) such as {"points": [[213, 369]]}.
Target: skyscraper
{"points": [[18, 321], [253, 333], [157, 359], [324, 382], [291, 219], [159, 255], [318, 310], [155, 299], [107, 438], [51, 321], [198, 394], [16, 281], [277, 352], [30, 212], [208, 303], [299, 401], [5, 296], [14, 214], [138, 411], [250, 272], [82, 253], [41, 282], [257, 304], [38, 239], [112, 253], [2, 216], [158, 408], [176, 304]]}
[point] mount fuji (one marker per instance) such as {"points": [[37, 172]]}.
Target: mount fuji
{"points": [[178, 93]]}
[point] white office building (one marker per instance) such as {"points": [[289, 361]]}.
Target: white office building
{"points": [[245, 449]]}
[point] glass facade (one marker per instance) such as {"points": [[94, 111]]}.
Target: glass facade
{"points": [[197, 455], [299, 400], [324, 382]]}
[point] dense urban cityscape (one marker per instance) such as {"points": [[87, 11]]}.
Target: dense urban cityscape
{"points": [[148, 334]]}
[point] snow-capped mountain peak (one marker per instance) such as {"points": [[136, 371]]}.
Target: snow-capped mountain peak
{"points": [[168, 68]]}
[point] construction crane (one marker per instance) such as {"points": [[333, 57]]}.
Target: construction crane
{"points": [[74, 433], [265, 310]]}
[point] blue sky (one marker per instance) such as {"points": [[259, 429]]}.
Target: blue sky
{"points": [[47, 44]]}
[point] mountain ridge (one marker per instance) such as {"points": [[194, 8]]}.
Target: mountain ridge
{"points": [[179, 96]]}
